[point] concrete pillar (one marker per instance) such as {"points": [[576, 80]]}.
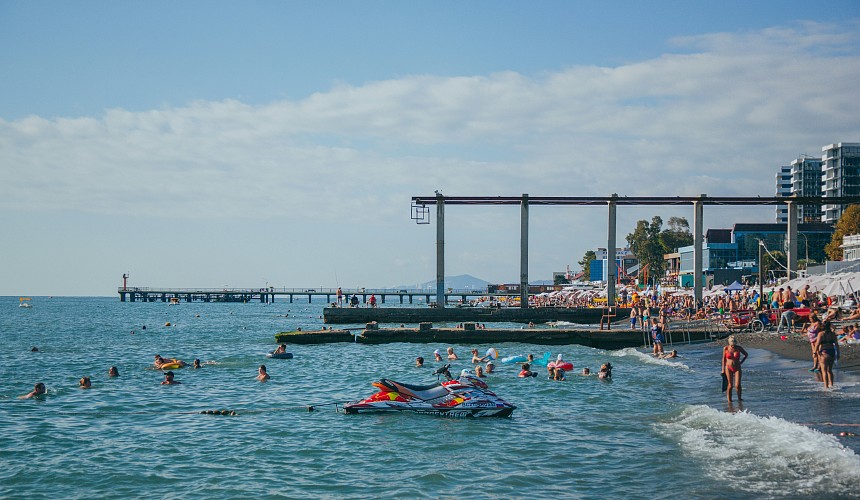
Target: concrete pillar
{"points": [[611, 268], [440, 250], [698, 241], [791, 240], [524, 252]]}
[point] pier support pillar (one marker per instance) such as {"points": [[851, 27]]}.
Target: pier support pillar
{"points": [[698, 242], [524, 252], [791, 240], [122, 297], [611, 267], [440, 250]]}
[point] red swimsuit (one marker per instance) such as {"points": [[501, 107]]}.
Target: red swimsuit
{"points": [[733, 356]]}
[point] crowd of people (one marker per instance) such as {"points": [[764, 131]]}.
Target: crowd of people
{"points": [[486, 365]]}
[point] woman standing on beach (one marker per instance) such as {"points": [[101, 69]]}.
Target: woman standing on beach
{"points": [[812, 331], [732, 362], [827, 347]]}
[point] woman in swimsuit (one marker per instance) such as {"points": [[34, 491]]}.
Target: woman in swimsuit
{"points": [[828, 350], [732, 362], [812, 331]]}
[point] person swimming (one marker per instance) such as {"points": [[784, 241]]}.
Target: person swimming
{"points": [[113, 372], [479, 372], [38, 390], [478, 359], [451, 355], [168, 379], [85, 383], [262, 375], [436, 355], [196, 364], [605, 371], [526, 371], [419, 362]]}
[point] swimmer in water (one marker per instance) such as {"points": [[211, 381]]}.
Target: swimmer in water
{"points": [[490, 367], [526, 371], [478, 359], [586, 372], [451, 355], [84, 383], [436, 355], [479, 372], [282, 349], [419, 362], [262, 376], [38, 390], [605, 371], [113, 372], [168, 379], [673, 354], [196, 364]]}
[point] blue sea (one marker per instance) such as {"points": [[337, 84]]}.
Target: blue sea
{"points": [[659, 429]]}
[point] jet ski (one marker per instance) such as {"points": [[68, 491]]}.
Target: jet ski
{"points": [[465, 396]]}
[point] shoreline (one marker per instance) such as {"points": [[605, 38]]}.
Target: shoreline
{"points": [[796, 347]]}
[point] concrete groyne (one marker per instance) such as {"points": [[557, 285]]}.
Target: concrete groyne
{"points": [[361, 315], [426, 334]]}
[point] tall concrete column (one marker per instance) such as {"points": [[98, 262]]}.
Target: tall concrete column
{"points": [[698, 242], [440, 250], [524, 252], [791, 239], [611, 267]]}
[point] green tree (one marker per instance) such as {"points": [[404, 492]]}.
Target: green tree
{"points": [[586, 263], [647, 246], [848, 224], [677, 235], [774, 261]]}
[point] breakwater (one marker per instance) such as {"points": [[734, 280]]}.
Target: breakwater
{"points": [[584, 315], [425, 333]]}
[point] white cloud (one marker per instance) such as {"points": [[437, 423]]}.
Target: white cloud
{"points": [[717, 117]]}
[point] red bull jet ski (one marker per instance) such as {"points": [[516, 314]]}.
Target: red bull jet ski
{"points": [[466, 396]]}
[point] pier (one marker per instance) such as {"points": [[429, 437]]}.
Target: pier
{"points": [[268, 295]]}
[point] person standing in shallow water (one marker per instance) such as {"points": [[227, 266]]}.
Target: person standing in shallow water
{"points": [[732, 362], [827, 347]]}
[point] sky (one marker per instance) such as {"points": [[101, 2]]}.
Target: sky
{"points": [[245, 144]]}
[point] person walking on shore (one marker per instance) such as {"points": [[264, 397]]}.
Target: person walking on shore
{"points": [[732, 362], [827, 347]]}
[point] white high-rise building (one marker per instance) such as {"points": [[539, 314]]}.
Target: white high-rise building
{"points": [[783, 188], [806, 181], [840, 176]]}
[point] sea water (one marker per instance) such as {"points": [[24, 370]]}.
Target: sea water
{"points": [[659, 429]]}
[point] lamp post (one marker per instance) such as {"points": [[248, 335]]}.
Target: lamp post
{"points": [[760, 274]]}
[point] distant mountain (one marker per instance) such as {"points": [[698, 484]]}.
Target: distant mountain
{"points": [[461, 282]]}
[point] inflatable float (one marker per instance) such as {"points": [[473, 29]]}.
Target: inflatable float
{"points": [[171, 364], [280, 355]]}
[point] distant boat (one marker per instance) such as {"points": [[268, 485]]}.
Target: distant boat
{"points": [[25, 302]]}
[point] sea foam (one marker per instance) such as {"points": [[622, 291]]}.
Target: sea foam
{"points": [[649, 359], [765, 455]]}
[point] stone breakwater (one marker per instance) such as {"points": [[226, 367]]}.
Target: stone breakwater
{"points": [[425, 333]]}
